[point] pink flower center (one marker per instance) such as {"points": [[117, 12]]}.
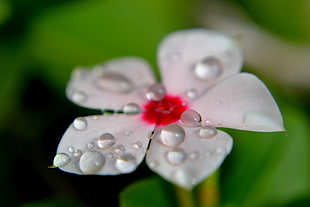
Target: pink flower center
{"points": [[165, 111]]}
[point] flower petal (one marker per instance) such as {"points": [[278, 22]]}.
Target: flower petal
{"points": [[189, 162], [110, 85], [193, 60], [103, 145], [242, 102]]}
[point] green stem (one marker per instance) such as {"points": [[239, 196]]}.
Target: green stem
{"points": [[185, 198], [208, 191]]}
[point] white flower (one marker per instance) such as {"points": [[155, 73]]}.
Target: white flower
{"points": [[173, 122]]}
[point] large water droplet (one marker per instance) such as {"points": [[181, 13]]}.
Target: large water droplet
{"points": [[114, 82], [156, 92], [80, 123], [207, 132], [172, 135], [176, 156], [91, 162], [208, 69], [78, 96], [61, 160], [131, 108], [106, 141], [126, 163], [191, 118]]}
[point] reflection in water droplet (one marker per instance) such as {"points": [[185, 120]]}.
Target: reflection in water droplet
{"points": [[191, 118], [131, 108], [126, 163], [106, 141], [208, 69], [80, 123], [78, 97], [91, 162], [114, 82], [176, 156], [172, 135], [207, 132], [192, 93], [61, 160], [156, 92]]}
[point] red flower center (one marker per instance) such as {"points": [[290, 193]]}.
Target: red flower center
{"points": [[164, 112]]}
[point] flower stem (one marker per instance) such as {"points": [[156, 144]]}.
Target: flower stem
{"points": [[208, 191], [185, 198]]}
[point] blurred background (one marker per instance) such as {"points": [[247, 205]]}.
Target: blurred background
{"points": [[42, 41]]}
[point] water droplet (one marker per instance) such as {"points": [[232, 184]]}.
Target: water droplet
{"points": [[126, 163], [208, 154], [191, 118], [208, 69], [71, 149], [176, 156], [192, 93], [91, 145], [172, 135], [128, 133], [131, 108], [77, 153], [194, 155], [95, 117], [110, 155], [119, 149], [78, 96], [207, 131], [114, 82], [91, 162], [106, 141], [220, 151], [61, 160], [156, 92], [174, 57], [80, 123], [137, 145], [153, 164]]}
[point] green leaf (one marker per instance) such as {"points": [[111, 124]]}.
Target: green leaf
{"points": [[53, 202], [149, 192], [269, 168]]}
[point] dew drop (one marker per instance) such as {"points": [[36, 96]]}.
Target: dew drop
{"points": [[106, 141], [77, 153], [194, 155], [71, 149], [153, 164], [128, 133], [131, 108], [208, 69], [192, 93], [208, 154], [176, 156], [110, 155], [137, 145], [172, 135], [126, 163], [191, 118], [119, 149], [114, 82], [207, 132], [78, 96], [156, 92], [91, 162], [220, 151], [61, 160], [175, 57], [80, 123], [91, 145]]}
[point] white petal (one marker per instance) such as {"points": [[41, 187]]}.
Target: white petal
{"points": [[111, 85], [190, 162], [193, 60], [103, 145], [242, 102]]}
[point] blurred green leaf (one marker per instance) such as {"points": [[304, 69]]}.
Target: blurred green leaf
{"points": [[269, 168], [5, 11], [89, 32], [53, 202], [287, 18], [150, 192]]}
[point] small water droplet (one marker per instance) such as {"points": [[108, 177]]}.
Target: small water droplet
{"points": [[191, 118], [91, 162], [126, 163], [71, 149], [80, 123], [192, 93], [61, 160], [78, 96], [220, 151], [128, 133], [110, 155], [194, 155], [95, 117], [208, 69], [106, 141], [91, 145], [207, 131], [114, 82], [131, 108], [137, 145], [153, 164], [119, 149], [175, 57], [172, 135], [77, 153], [176, 156], [208, 154], [156, 92]]}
